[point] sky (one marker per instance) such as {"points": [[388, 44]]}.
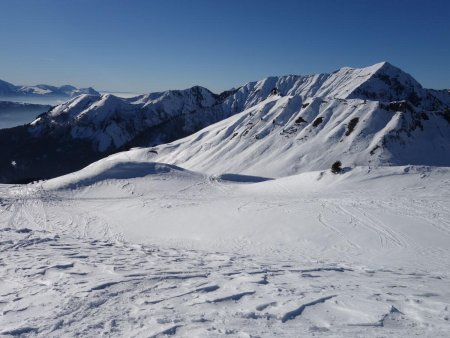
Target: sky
{"points": [[150, 45]]}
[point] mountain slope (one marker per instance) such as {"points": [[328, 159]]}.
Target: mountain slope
{"points": [[89, 127], [110, 122], [372, 116], [282, 125], [280, 136], [144, 249]]}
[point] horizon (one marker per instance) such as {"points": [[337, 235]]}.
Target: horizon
{"points": [[126, 94], [141, 46]]}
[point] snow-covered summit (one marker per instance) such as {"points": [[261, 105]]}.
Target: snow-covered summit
{"points": [[382, 82]]}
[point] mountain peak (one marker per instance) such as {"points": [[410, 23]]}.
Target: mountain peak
{"points": [[387, 68], [385, 82], [382, 64]]}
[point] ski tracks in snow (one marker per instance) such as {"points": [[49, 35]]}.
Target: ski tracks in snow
{"points": [[63, 286], [32, 206], [64, 270]]}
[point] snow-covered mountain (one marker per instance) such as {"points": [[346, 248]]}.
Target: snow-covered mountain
{"points": [[89, 127], [377, 115], [110, 122], [8, 90], [277, 126], [372, 116]]}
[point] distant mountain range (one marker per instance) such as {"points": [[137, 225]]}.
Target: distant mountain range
{"points": [[278, 126], [8, 91]]}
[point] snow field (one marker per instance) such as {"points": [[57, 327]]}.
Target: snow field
{"points": [[128, 248]]}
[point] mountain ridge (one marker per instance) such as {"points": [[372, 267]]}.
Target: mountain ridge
{"points": [[9, 90], [382, 101]]}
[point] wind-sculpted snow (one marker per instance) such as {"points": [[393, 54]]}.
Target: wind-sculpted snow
{"points": [[164, 251], [66, 286], [115, 170]]}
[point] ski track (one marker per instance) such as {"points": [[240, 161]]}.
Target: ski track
{"points": [[66, 273], [385, 234]]}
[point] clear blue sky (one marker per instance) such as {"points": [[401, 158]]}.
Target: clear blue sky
{"points": [[150, 45]]}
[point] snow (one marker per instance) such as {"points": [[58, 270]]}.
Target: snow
{"points": [[240, 229], [134, 248], [36, 90], [109, 122], [268, 140]]}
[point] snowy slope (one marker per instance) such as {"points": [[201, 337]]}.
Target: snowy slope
{"points": [[139, 249], [218, 211], [279, 137], [109, 122], [282, 125]]}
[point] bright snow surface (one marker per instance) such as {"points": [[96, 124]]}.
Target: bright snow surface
{"points": [[133, 248], [209, 235]]}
